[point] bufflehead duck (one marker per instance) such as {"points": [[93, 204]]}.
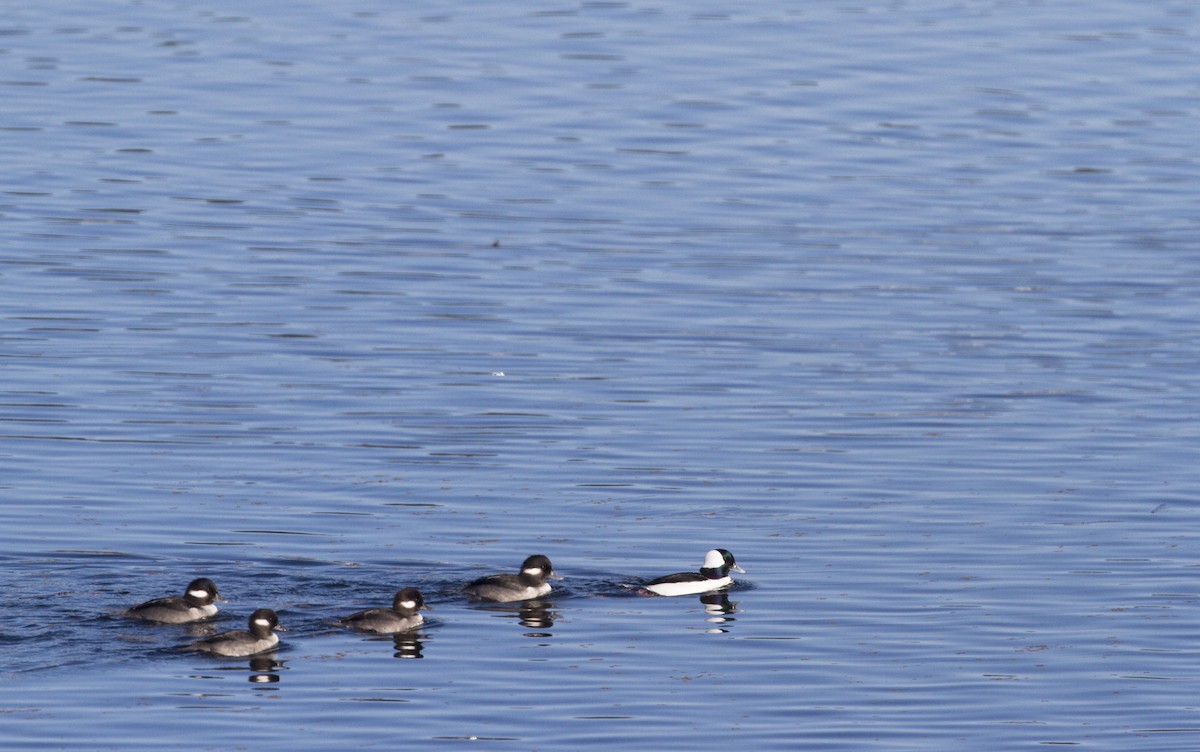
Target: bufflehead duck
{"points": [[239, 642], [195, 604], [505, 588], [401, 617], [713, 575]]}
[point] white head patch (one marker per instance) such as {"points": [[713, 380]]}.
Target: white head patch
{"points": [[408, 604], [263, 622], [200, 594], [714, 560], [535, 571]]}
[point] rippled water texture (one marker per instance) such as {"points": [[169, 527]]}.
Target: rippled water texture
{"points": [[896, 301]]}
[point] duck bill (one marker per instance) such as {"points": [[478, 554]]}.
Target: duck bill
{"points": [[738, 569], [554, 576]]}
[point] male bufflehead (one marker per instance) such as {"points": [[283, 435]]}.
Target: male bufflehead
{"points": [[505, 588], [195, 604], [260, 638], [401, 617], [713, 575]]}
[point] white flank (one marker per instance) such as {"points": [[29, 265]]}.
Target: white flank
{"points": [[689, 588]]}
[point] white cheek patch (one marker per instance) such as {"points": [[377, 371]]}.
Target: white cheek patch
{"points": [[535, 571], [408, 604], [198, 593], [713, 560], [262, 622]]}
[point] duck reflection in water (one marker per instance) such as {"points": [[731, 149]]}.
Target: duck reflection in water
{"points": [[264, 670], [719, 610], [535, 614], [261, 670], [408, 645]]}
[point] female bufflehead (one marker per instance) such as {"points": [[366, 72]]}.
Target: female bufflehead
{"points": [[260, 638], [713, 575], [195, 604], [401, 617], [505, 588]]}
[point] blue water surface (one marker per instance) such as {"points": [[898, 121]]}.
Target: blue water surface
{"points": [[897, 301]]}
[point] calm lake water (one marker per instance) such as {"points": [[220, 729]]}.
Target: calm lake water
{"points": [[897, 301]]}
